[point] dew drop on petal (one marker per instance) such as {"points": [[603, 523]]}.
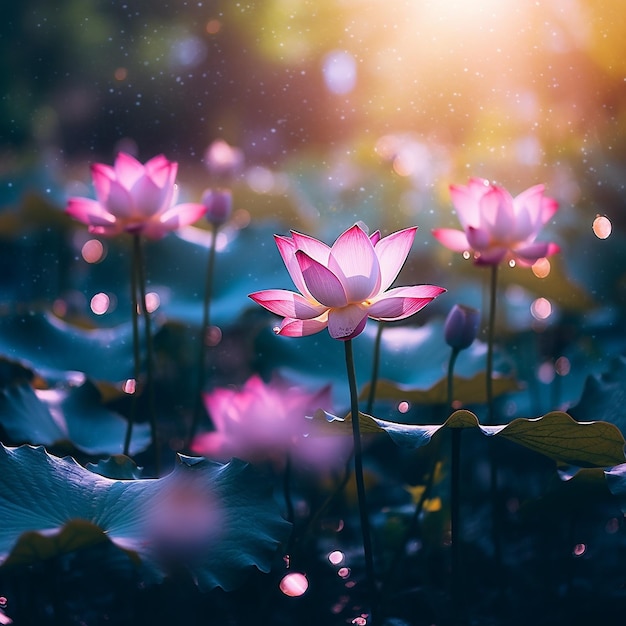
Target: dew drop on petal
{"points": [[129, 386], [294, 584], [579, 549], [343, 572], [360, 621], [3, 602], [602, 227], [512, 263], [466, 254], [403, 407]]}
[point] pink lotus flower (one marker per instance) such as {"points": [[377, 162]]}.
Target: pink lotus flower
{"points": [[340, 287], [134, 198], [263, 422], [497, 226]]}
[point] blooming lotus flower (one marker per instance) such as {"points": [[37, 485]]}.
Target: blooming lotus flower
{"points": [[134, 198], [497, 226], [341, 286], [266, 421]]}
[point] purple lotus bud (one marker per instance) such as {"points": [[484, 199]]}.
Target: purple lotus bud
{"points": [[461, 326], [219, 204]]}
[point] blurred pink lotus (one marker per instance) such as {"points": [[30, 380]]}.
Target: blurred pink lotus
{"points": [[340, 287], [497, 226], [134, 198], [265, 422]]}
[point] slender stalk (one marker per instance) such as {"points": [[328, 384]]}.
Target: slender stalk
{"points": [[455, 491], [375, 369], [206, 316], [360, 483], [136, 351], [493, 461], [149, 353], [493, 290]]}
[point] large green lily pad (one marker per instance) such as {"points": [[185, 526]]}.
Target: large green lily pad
{"points": [[556, 435], [218, 521], [70, 416]]}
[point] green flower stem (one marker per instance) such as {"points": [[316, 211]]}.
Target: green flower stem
{"points": [[149, 353], [493, 291], [206, 316], [455, 491], [493, 461], [136, 350], [375, 369], [360, 483]]}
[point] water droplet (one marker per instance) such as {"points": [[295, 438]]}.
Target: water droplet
{"points": [[336, 557], [3, 602], [541, 267], [129, 386], [562, 366], [602, 227], [93, 251], [541, 309], [153, 301], [466, 254], [579, 549], [294, 584], [403, 407], [343, 572], [100, 303]]}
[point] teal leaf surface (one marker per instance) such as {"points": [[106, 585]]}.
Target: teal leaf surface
{"points": [[54, 347], [72, 415], [604, 396], [555, 435], [217, 521]]}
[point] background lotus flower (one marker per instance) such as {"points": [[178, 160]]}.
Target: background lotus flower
{"points": [[497, 226], [134, 198], [340, 287], [261, 422]]}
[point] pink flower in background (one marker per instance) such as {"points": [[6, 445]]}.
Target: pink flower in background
{"points": [[341, 286], [497, 226], [134, 198], [262, 422]]}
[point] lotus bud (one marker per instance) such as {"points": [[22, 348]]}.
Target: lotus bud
{"points": [[461, 326], [219, 204]]}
